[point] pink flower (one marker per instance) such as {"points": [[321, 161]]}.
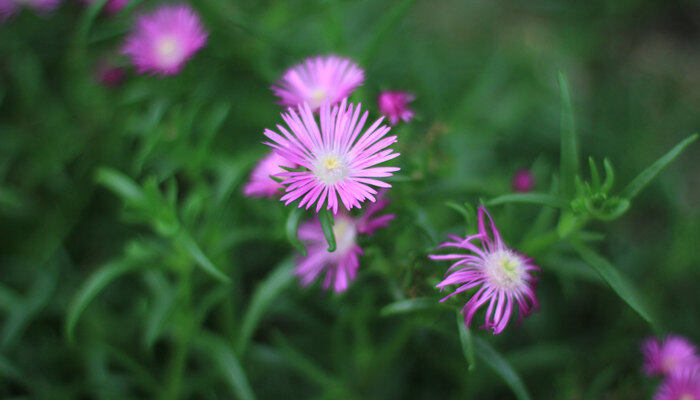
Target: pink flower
{"points": [[109, 75], [260, 184], [339, 161], [8, 8], [319, 80], [162, 41], [674, 354], [394, 105], [523, 181], [681, 385], [340, 267], [502, 275], [112, 6]]}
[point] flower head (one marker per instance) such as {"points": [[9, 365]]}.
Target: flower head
{"points": [[260, 184], [339, 162], [502, 275], [108, 74], [339, 267], [112, 6], [523, 181], [318, 80], [161, 42], [675, 353], [394, 105], [681, 385]]}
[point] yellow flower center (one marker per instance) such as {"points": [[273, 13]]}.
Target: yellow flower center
{"points": [[687, 396], [168, 50], [330, 168], [317, 97], [504, 269]]}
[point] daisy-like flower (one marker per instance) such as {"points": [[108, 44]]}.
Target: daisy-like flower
{"points": [[523, 181], [112, 6], [503, 276], [681, 385], [161, 42], [260, 184], [394, 105], [339, 162], [675, 353], [8, 8], [318, 80], [340, 267]]}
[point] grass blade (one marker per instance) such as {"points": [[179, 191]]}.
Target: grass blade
{"points": [[501, 367], [569, 148], [228, 365], [192, 248], [531, 198]]}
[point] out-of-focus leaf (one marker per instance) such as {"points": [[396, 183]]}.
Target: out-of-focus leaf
{"points": [[122, 185], [532, 198], [646, 176], [389, 20], [8, 299], [163, 301], [292, 228], [467, 341], [619, 283], [192, 248], [467, 211], [302, 364], [569, 151], [8, 370], [227, 364], [264, 295], [408, 306], [326, 219], [501, 367]]}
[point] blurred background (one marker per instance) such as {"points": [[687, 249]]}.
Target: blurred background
{"points": [[112, 197]]}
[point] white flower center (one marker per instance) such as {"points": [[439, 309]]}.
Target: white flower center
{"points": [[330, 168], [345, 232], [317, 97], [687, 396], [169, 53], [504, 269]]}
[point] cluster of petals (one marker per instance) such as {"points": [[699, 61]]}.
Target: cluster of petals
{"points": [[162, 41], [260, 183], [339, 162], [394, 105], [338, 268], [674, 358], [319, 80], [681, 385], [503, 277]]}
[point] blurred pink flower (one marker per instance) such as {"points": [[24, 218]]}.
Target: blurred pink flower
{"points": [[394, 105], [112, 6], [339, 161], [162, 41], [340, 267], [260, 184], [681, 385], [675, 353], [502, 275], [318, 80], [523, 181], [108, 74]]}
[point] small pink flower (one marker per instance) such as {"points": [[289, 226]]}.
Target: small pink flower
{"points": [[394, 105], [681, 385], [340, 267], [319, 80], [260, 184], [339, 162], [675, 353], [162, 41], [109, 75], [502, 275], [523, 181], [112, 6]]}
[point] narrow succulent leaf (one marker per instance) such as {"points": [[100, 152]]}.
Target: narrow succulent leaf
{"points": [[408, 306], [121, 185], [595, 176], [227, 364], [327, 222], [192, 248], [569, 148], [292, 229], [263, 297], [618, 282], [163, 296], [465, 337], [531, 198], [501, 367], [609, 176], [646, 176]]}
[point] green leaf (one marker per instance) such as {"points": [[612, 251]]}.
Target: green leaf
{"points": [[192, 248], [501, 367], [569, 152], [465, 337], [302, 364], [227, 364], [92, 287], [595, 175], [388, 22], [264, 295], [408, 306], [618, 282], [122, 185], [292, 228], [646, 176], [326, 219], [161, 307], [532, 198]]}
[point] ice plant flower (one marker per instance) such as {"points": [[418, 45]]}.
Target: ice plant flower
{"points": [[681, 385], [112, 6], [260, 183], [523, 181], [504, 277], [394, 105], [338, 161], [675, 353], [162, 41], [339, 267], [318, 80], [8, 8]]}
